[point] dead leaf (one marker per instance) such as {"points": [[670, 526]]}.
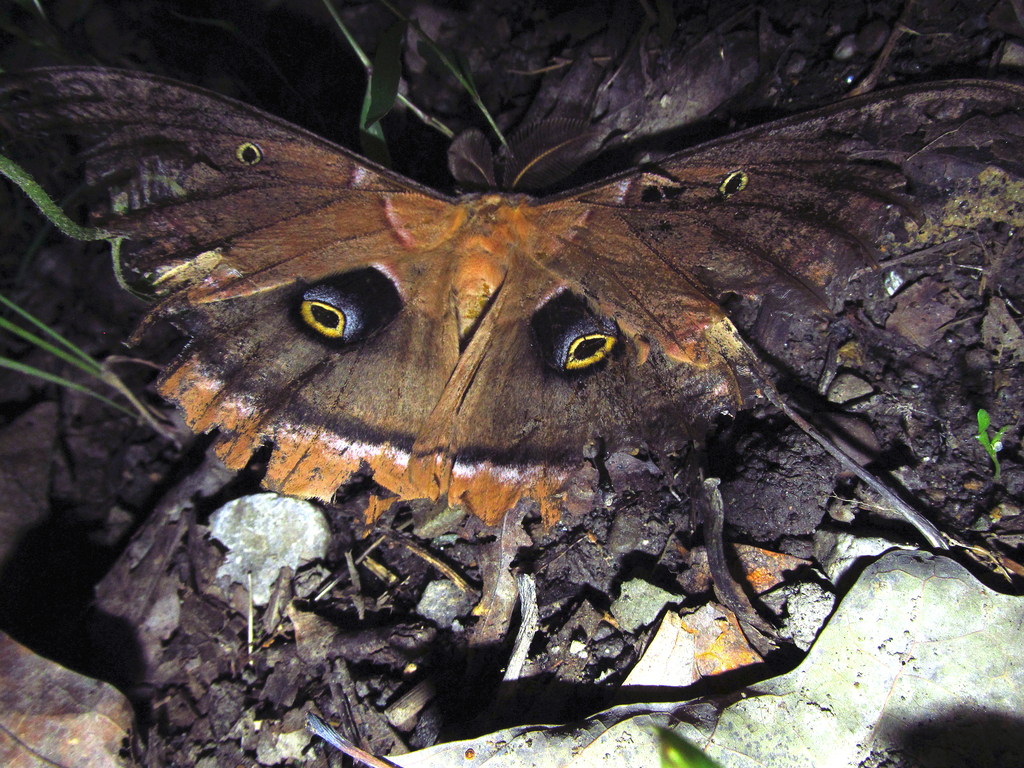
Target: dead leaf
{"points": [[265, 533], [50, 715], [499, 589], [922, 310], [762, 568], [719, 643], [1002, 336], [670, 658]]}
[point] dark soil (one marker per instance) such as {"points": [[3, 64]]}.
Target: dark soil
{"points": [[192, 677]]}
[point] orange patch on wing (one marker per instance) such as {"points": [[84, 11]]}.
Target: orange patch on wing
{"points": [[204, 398], [309, 462], [485, 490], [490, 491]]}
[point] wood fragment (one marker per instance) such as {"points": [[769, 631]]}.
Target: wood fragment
{"points": [[458, 579], [758, 631], [320, 728], [403, 712], [353, 574]]}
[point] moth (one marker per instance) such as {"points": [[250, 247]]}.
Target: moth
{"points": [[477, 348]]}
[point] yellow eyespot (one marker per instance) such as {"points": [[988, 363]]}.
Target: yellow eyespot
{"points": [[249, 153], [733, 183], [588, 350], [323, 318]]}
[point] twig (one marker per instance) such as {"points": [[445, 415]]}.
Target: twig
{"points": [[442, 566], [319, 728], [868, 83], [250, 632], [758, 632], [357, 585], [529, 623]]}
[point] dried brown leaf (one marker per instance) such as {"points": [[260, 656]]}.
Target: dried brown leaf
{"points": [[53, 716]]}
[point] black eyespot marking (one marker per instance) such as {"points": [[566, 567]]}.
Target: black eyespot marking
{"points": [[249, 153], [733, 183], [572, 338], [650, 195], [350, 307]]}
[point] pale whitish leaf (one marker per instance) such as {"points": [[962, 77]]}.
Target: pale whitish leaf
{"points": [[920, 665]]}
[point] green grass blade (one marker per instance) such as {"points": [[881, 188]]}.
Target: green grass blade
{"points": [[89, 364], [371, 138], [30, 370], [84, 361], [677, 752]]}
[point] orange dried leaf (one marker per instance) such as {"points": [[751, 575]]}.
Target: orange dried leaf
{"points": [[720, 645]]}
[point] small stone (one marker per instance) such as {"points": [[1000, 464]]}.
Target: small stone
{"points": [[436, 520], [846, 387], [1012, 55], [610, 647], [805, 606], [852, 434], [841, 511], [443, 602], [837, 551], [846, 49], [796, 64], [626, 534], [872, 37], [892, 282], [639, 604], [276, 748]]}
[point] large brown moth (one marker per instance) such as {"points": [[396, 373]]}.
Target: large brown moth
{"points": [[473, 348]]}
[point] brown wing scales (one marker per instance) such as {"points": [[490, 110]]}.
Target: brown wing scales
{"points": [[242, 223]]}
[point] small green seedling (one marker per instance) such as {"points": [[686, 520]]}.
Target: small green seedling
{"points": [[992, 444], [677, 752]]}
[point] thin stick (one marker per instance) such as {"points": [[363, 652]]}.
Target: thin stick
{"points": [[759, 633], [529, 624], [318, 727], [442, 566], [250, 634], [868, 83], [927, 529]]}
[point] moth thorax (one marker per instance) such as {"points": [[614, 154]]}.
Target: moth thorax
{"points": [[476, 278]]}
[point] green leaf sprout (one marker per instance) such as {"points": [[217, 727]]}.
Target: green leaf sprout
{"points": [[992, 444], [677, 752]]}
